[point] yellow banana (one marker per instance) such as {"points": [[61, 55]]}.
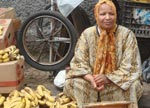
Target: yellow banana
{"points": [[12, 57], [5, 55], [14, 93], [2, 99], [45, 89], [48, 103], [15, 99], [65, 100], [16, 51], [6, 60], [33, 104], [58, 105], [26, 94], [14, 104], [2, 52], [7, 50], [21, 104], [30, 91], [38, 95], [42, 102], [73, 105], [68, 105], [27, 103], [60, 94], [39, 90], [10, 49], [18, 56], [49, 97], [36, 100]]}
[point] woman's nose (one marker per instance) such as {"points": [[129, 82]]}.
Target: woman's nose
{"points": [[107, 16]]}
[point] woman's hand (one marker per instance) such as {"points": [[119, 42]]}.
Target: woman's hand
{"points": [[100, 81], [97, 81], [90, 78]]}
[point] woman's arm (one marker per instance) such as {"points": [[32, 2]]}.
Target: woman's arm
{"points": [[129, 68]]}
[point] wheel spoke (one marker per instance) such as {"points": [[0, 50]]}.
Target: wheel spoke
{"points": [[60, 39], [39, 30], [40, 53]]}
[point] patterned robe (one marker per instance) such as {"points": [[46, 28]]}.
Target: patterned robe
{"points": [[125, 86]]}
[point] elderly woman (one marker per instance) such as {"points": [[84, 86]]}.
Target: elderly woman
{"points": [[106, 65]]}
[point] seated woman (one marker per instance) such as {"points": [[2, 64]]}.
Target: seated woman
{"points": [[107, 64]]}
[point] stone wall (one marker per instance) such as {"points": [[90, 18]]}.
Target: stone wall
{"points": [[25, 8]]}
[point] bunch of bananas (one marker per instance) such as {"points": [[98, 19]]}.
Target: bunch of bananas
{"points": [[21, 99], [9, 54], [2, 99], [29, 98]]}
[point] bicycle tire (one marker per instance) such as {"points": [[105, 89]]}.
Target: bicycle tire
{"points": [[22, 44]]}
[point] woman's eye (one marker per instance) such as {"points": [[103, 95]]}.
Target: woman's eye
{"points": [[102, 14], [111, 13]]}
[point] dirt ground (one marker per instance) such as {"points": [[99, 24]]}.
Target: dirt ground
{"points": [[35, 77]]}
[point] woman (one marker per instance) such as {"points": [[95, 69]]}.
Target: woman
{"points": [[106, 65]]}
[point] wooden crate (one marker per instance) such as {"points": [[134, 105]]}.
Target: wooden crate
{"points": [[115, 104]]}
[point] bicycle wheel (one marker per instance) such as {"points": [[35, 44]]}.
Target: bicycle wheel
{"points": [[47, 40]]}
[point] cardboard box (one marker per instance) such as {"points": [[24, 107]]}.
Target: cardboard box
{"points": [[114, 104], [10, 13], [8, 35], [7, 13], [11, 75]]}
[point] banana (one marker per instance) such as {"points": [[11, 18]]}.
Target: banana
{"points": [[38, 95], [60, 94], [13, 56], [14, 93], [41, 102], [7, 50], [48, 103], [15, 99], [73, 105], [45, 89], [26, 94], [27, 103], [13, 104], [18, 56], [39, 90], [64, 100], [68, 105], [2, 99], [2, 52], [16, 51], [33, 104], [21, 104], [48, 97], [58, 105], [6, 60], [12, 48], [30, 91], [5, 55]]}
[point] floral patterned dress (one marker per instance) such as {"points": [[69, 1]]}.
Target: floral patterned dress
{"points": [[125, 81]]}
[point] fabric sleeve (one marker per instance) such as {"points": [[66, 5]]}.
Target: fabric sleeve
{"points": [[129, 69], [80, 62]]}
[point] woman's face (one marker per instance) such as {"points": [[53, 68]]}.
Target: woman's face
{"points": [[107, 16]]}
